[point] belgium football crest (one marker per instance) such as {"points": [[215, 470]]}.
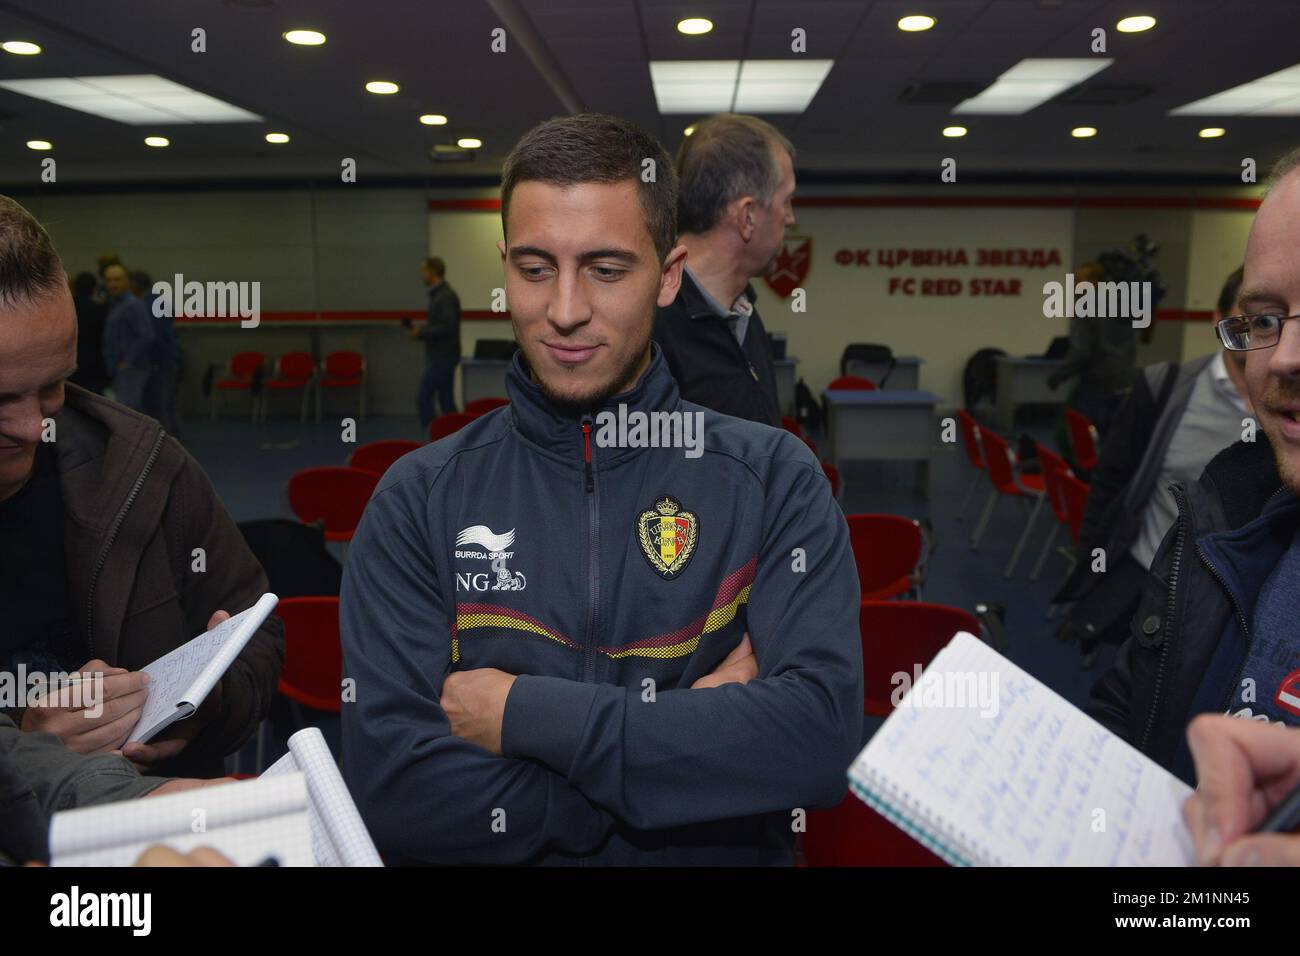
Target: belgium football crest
{"points": [[668, 536]]}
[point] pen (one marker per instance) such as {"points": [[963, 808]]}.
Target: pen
{"points": [[1285, 816]]}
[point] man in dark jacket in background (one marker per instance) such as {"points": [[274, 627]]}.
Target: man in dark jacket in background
{"points": [[1215, 630], [1103, 355], [114, 548], [1178, 417], [91, 315], [737, 189], [441, 337]]}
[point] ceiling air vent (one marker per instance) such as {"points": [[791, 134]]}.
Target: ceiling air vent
{"points": [[443, 153]]}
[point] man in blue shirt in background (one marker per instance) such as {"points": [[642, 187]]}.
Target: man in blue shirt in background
{"points": [[128, 340]]}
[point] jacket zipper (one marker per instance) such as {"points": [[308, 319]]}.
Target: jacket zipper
{"points": [[113, 530], [1245, 629], [1175, 566], [593, 588]]}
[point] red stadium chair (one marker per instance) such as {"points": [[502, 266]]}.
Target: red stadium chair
{"points": [[240, 371], [853, 834], [332, 494], [343, 369], [481, 406], [899, 635], [896, 637], [313, 657], [974, 454], [852, 383], [1083, 436], [312, 675], [1009, 482], [791, 425], [448, 424], [292, 370], [888, 551], [378, 456]]}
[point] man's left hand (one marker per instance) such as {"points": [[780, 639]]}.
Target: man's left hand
{"points": [[475, 703], [175, 738]]}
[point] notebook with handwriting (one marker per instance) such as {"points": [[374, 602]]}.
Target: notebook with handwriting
{"points": [[338, 835], [246, 821], [987, 766], [181, 679]]}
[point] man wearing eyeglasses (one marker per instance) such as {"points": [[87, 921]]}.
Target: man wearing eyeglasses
{"points": [[1216, 627]]}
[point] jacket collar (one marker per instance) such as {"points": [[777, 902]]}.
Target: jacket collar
{"points": [[697, 304], [1237, 483], [559, 435]]}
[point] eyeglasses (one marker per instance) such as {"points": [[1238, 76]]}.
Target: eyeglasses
{"points": [[1243, 333]]}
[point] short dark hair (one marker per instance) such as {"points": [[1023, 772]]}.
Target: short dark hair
{"points": [[1228, 294], [728, 156], [29, 266], [597, 148], [435, 265], [140, 279]]}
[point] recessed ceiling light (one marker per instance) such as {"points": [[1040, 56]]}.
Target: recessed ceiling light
{"points": [[689, 130], [916, 23], [1135, 24], [469, 142], [277, 137], [742, 86], [1031, 82], [158, 141], [135, 99], [953, 132], [1277, 94], [382, 87], [1211, 132], [39, 144], [433, 119], [1083, 132], [20, 47], [305, 37], [694, 26]]}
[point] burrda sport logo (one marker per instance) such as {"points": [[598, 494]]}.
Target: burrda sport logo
{"points": [[495, 548]]}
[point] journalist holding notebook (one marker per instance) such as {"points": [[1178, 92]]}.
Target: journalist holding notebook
{"points": [[114, 548]]}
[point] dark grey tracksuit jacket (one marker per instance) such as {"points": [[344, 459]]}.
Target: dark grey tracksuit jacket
{"points": [[609, 756]]}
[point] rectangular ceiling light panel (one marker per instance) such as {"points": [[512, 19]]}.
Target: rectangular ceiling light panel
{"points": [[1032, 82], [138, 100]]}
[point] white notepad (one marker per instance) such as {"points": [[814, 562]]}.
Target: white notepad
{"points": [[1036, 782], [247, 821], [338, 835], [181, 679]]}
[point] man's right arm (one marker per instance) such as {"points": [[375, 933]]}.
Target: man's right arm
{"points": [[425, 794]]}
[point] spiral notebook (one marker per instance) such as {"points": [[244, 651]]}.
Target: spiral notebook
{"points": [[1018, 776], [246, 821], [181, 679], [338, 836]]}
